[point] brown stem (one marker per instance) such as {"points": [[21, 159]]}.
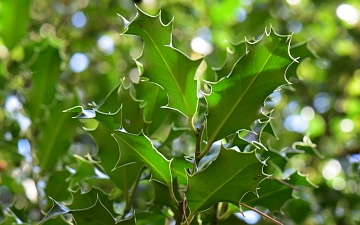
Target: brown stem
{"points": [[261, 213], [180, 214], [284, 183], [214, 219], [198, 146]]}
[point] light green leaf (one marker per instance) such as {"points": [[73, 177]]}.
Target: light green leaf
{"points": [[236, 100], [14, 16], [45, 74], [227, 179], [55, 135], [140, 149], [233, 53], [164, 65], [306, 146]]}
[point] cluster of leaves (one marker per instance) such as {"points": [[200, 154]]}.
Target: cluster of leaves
{"points": [[188, 139], [190, 178]]}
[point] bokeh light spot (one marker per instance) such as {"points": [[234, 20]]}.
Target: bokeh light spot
{"points": [[322, 102], [296, 123], [106, 44], [338, 183], [79, 62], [293, 2], [331, 170], [201, 46], [294, 26], [241, 14], [307, 113], [250, 217], [347, 13], [347, 125], [79, 19]]}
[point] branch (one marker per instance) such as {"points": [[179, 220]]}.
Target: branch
{"points": [[261, 213], [129, 200], [283, 182], [198, 136]]}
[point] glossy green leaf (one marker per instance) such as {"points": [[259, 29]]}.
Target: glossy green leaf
{"points": [[227, 179], [56, 210], [164, 65], [132, 118], [59, 220], [272, 194], [233, 53], [81, 200], [97, 214], [140, 149], [236, 100], [14, 16], [154, 98], [124, 176]]}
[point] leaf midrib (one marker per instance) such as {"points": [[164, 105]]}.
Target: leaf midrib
{"points": [[152, 166], [219, 187], [52, 140], [212, 139], [170, 71]]}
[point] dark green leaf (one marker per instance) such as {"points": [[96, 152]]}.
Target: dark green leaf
{"points": [[97, 214], [213, 185], [55, 211], [272, 194], [123, 177], [58, 190]]}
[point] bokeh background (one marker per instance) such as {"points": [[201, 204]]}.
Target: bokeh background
{"points": [[77, 43]]}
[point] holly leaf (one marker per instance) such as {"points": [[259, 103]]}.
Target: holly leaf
{"points": [[45, 74], [81, 200], [236, 100], [212, 185], [233, 53], [132, 118], [97, 214], [124, 176], [55, 135], [273, 193], [56, 210], [154, 98], [164, 64], [135, 148]]}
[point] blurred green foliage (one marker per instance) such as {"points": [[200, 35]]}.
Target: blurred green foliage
{"points": [[61, 53]]}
